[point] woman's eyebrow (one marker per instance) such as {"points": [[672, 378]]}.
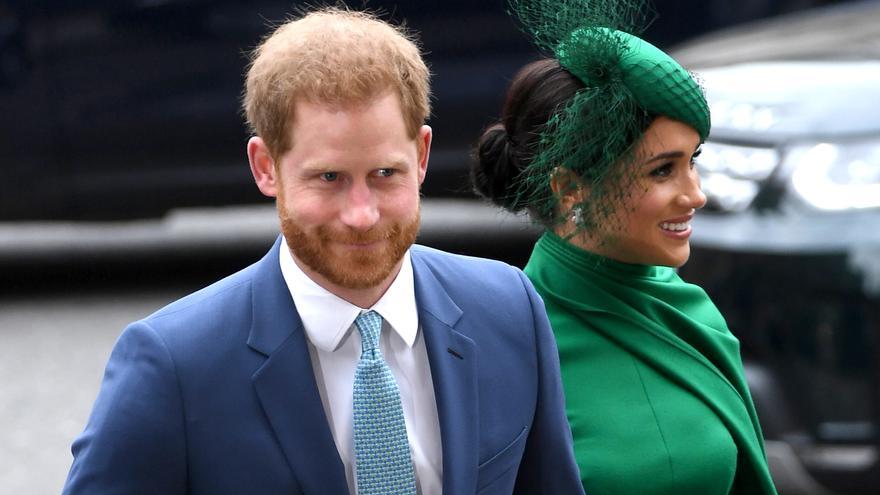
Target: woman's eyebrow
{"points": [[665, 156]]}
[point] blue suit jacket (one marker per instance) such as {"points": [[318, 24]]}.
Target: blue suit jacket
{"points": [[215, 393]]}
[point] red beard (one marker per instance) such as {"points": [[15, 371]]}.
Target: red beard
{"points": [[353, 269]]}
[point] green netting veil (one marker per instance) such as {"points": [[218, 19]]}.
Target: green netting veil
{"points": [[627, 82]]}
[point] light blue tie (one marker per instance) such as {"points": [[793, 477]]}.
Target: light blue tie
{"points": [[383, 462]]}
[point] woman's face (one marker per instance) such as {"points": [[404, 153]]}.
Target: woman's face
{"points": [[652, 226]]}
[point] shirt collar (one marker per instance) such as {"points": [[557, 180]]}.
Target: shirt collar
{"points": [[327, 318]]}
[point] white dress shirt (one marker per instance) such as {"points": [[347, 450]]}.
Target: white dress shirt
{"points": [[335, 347]]}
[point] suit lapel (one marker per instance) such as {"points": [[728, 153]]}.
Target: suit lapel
{"points": [[452, 357], [286, 387]]}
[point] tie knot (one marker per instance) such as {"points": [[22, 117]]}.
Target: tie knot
{"points": [[369, 324]]}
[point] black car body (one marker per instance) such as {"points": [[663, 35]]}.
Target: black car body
{"points": [[789, 245]]}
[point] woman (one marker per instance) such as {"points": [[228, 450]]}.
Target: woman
{"points": [[598, 144]]}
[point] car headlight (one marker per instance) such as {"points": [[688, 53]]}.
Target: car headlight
{"points": [[738, 162], [731, 174], [836, 176], [743, 116]]}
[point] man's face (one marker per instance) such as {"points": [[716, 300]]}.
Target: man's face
{"points": [[348, 191]]}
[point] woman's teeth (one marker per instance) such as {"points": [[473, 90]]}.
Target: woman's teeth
{"points": [[674, 227]]}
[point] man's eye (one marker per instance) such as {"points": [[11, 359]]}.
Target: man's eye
{"points": [[385, 172], [329, 176]]}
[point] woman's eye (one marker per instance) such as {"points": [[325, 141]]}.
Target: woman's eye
{"points": [[329, 176], [695, 156], [662, 171]]}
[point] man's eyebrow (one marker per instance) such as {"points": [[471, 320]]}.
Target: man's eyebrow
{"points": [[315, 167], [327, 167], [395, 163]]}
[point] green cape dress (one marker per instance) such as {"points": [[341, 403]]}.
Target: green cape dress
{"points": [[653, 379]]}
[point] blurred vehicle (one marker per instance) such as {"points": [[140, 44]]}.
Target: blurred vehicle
{"points": [[126, 108], [789, 244]]}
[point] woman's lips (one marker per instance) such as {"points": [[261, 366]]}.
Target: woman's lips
{"points": [[677, 228]]}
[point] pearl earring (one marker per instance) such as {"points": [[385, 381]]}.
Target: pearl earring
{"points": [[577, 215]]}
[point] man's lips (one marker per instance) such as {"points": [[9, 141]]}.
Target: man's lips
{"points": [[358, 244]]}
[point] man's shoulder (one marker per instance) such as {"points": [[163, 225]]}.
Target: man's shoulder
{"points": [[219, 301], [437, 256], [459, 273], [440, 260]]}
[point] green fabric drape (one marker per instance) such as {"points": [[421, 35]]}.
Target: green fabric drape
{"points": [[649, 369]]}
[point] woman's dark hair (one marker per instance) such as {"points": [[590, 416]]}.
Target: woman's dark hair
{"points": [[506, 148]]}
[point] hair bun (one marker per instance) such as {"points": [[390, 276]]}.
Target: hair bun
{"points": [[497, 168]]}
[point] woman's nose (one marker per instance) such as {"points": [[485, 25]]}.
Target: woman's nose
{"points": [[692, 195]]}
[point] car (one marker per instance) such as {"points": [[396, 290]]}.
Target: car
{"points": [[789, 243]]}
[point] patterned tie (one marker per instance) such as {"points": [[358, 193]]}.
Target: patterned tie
{"points": [[384, 466]]}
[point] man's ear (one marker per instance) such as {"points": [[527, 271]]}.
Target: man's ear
{"points": [[423, 140], [262, 166]]}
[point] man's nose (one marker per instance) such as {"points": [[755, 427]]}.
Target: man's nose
{"points": [[361, 211]]}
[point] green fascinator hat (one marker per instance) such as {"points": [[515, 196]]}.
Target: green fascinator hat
{"points": [[657, 82], [627, 82]]}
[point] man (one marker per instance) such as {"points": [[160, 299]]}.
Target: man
{"points": [[347, 360]]}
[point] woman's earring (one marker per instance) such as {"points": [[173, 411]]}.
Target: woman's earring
{"points": [[577, 215]]}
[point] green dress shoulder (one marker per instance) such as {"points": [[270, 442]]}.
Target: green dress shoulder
{"points": [[653, 379]]}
